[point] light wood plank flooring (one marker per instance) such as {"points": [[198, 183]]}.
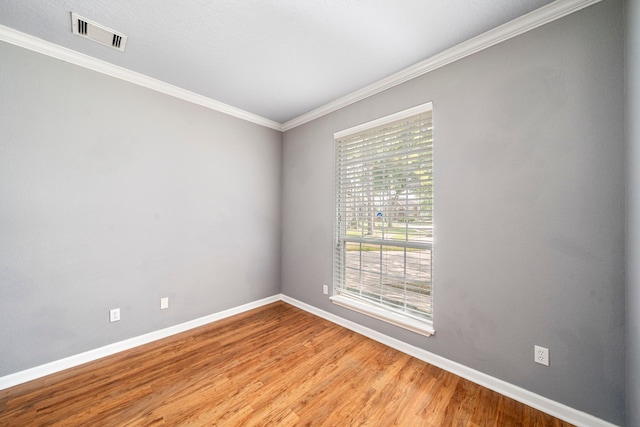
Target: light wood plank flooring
{"points": [[273, 366]]}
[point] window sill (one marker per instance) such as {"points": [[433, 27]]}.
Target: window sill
{"points": [[378, 313]]}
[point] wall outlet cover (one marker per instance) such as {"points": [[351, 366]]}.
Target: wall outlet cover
{"points": [[541, 355]]}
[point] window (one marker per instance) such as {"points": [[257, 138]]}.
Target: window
{"points": [[384, 219]]}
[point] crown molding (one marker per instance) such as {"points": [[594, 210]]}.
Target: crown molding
{"points": [[523, 24], [35, 44], [528, 22]]}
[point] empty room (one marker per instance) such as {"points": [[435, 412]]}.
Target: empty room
{"points": [[328, 213]]}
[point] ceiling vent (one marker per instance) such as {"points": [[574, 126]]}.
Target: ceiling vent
{"points": [[96, 32]]}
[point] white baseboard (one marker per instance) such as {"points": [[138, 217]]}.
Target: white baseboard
{"points": [[549, 406], [541, 403], [98, 353]]}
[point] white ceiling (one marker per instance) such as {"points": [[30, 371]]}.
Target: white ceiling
{"points": [[274, 58]]}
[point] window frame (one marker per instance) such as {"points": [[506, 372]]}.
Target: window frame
{"points": [[421, 326]]}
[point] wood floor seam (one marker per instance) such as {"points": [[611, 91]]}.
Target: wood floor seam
{"points": [[275, 365]]}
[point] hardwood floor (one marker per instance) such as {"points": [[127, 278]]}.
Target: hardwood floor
{"points": [[273, 366]]}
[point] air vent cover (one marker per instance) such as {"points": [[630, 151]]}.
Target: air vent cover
{"points": [[97, 32]]}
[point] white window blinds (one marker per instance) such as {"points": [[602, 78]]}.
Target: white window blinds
{"points": [[384, 215]]}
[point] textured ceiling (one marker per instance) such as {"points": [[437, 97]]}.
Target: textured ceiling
{"points": [[274, 58]]}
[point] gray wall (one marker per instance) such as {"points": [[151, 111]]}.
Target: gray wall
{"points": [[632, 21], [112, 195], [529, 176]]}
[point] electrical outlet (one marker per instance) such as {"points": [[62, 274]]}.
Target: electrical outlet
{"points": [[164, 303], [114, 315], [325, 289], [541, 355]]}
